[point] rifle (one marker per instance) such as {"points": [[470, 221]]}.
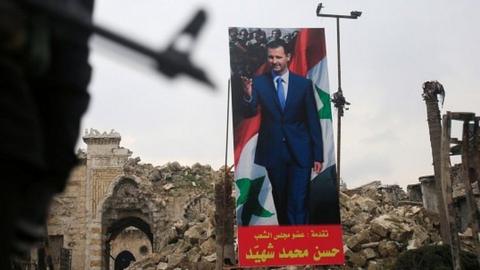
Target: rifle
{"points": [[170, 62]]}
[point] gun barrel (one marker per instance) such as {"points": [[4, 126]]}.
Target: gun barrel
{"points": [[169, 65]]}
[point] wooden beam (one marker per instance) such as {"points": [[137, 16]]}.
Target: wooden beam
{"points": [[469, 176], [446, 183]]}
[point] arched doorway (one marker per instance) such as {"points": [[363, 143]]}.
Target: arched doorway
{"points": [[134, 233], [119, 225], [123, 260], [126, 214]]}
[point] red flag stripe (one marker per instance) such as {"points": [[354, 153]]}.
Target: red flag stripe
{"points": [[244, 132], [309, 50]]}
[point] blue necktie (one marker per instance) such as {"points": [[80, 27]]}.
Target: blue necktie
{"points": [[280, 92]]}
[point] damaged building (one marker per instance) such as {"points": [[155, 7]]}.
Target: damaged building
{"points": [[425, 192], [115, 211]]}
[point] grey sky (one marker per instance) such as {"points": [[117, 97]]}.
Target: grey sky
{"points": [[386, 56]]}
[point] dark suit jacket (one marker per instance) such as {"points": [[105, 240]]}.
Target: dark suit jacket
{"points": [[297, 125]]}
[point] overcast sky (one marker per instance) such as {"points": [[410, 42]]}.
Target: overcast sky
{"points": [[387, 54]]}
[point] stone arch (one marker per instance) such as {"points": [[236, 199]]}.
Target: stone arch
{"points": [[127, 204], [118, 226], [122, 226], [113, 186]]}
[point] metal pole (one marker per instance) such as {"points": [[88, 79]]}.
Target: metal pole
{"points": [[340, 109], [225, 177], [338, 99], [338, 57], [339, 135]]}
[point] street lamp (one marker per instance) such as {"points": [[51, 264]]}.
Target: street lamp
{"points": [[338, 99]]}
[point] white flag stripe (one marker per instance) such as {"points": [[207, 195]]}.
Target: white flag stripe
{"points": [[328, 148], [319, 76]]}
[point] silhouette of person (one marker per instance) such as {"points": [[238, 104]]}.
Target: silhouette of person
{"points": [[44, 74]]}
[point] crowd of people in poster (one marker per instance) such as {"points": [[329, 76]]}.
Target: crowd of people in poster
{"points": [[248, 48]]}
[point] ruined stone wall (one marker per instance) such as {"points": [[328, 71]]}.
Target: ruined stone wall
{"points": [[67, 217], [98, 181], [414, 192], [111, 192], [429, 193], [105, 160]]}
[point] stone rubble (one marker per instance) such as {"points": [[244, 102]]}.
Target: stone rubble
{"points": [[379, 223], [190, 242], [377, 228]]}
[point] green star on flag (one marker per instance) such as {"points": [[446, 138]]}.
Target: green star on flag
{"points": [[326, 111], [249, 192]]}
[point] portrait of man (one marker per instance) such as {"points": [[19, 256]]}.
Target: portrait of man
{"points": [[284, 154], [289, 141], [285, 172]]}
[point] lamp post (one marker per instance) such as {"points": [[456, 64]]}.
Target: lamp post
{"points": [[338, 99]]}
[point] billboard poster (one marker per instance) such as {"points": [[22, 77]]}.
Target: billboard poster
{"points": [[287, 205]]}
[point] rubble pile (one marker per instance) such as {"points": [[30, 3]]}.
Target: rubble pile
{"points": [[378, 220], [189, 246], [189, 243], [173, 175], [379, 224]]}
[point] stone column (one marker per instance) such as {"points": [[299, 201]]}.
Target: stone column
{"points": [[105, 161]]}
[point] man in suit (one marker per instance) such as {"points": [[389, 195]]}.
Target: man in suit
{"points": [[290, 137]]}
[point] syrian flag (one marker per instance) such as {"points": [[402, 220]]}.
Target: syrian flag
{"points": [[310, 60], [254, 198]]}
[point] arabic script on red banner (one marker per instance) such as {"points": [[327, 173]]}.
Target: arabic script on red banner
{"points": [[290, 245]]}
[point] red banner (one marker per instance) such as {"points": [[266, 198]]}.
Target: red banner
{"points": [[290, 245]]}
